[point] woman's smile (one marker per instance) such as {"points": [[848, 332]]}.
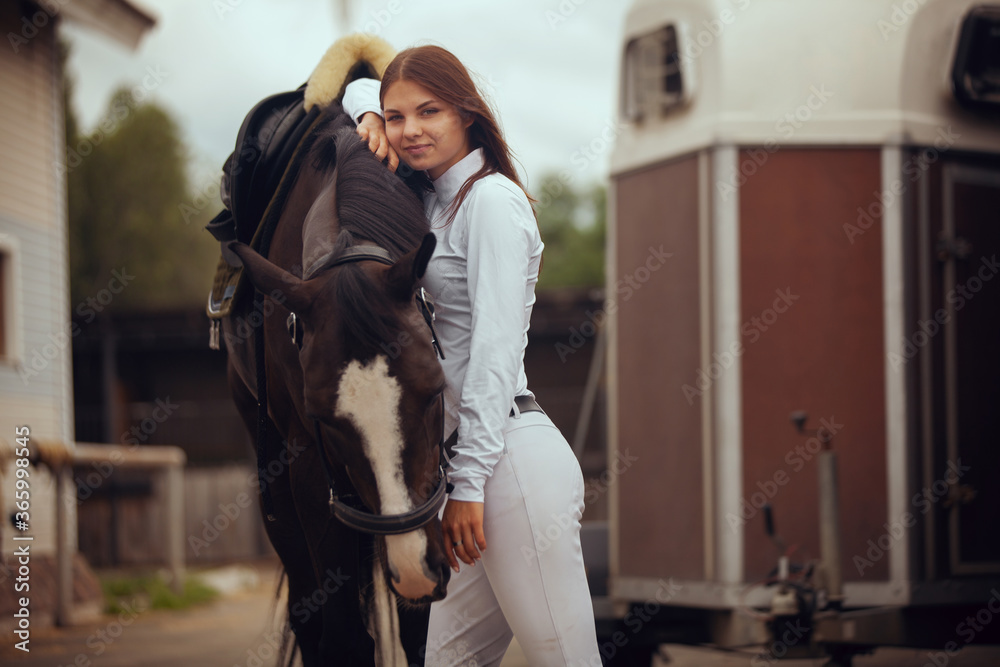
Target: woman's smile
{"points": [[417, 149]]}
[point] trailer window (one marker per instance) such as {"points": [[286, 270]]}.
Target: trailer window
{"points": [[651, 81], [976, 72]]}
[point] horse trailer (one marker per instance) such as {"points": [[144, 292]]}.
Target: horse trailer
{"points": [[809, 382]]}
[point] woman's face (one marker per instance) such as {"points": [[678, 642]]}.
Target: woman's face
{"points": [[426, 132]]}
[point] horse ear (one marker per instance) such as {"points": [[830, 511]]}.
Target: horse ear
{"points": [[271, 278], [424, 253], [410, 268]]}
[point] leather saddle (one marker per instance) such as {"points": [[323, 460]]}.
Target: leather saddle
{"points": [[267, 138], [266, 144]]}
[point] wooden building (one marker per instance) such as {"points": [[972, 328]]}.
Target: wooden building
{"points": [[35, 331]]}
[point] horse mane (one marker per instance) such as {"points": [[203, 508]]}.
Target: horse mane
{"points": [[375, 205], [364, 312], [372, 202]]}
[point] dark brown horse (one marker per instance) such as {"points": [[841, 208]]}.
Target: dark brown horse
{"points": [[354, 472]]}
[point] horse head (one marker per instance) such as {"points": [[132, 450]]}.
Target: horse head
{"points": [[373, 388]]}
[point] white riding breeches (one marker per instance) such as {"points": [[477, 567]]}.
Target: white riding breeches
{"points": [[531, 581]]}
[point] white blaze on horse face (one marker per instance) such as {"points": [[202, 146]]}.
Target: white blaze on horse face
{"points": [[369, 397]]}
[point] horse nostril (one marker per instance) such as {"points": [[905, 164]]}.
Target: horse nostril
{"points": [[437, 568], [441, 590], [445, 575]]}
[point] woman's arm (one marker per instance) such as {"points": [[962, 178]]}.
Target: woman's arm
{"points": [[502, 236], [360, 97], [361, 103]]}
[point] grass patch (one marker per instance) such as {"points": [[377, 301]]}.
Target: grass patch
{"points": [[152, 592]]}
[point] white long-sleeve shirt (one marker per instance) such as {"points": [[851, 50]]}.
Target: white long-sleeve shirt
{"points": [[360, 97], [482, 276]]}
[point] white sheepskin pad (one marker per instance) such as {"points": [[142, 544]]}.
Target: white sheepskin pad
{"points": [[328, 80]]}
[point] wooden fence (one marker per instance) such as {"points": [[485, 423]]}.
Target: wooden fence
{"points": [[121, 517]]}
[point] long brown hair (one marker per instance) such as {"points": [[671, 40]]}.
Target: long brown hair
{"points": [[445, 77]]}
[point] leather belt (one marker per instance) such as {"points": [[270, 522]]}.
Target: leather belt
{"points": [[526, 404]]}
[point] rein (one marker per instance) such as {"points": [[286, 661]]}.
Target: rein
{"points": [[356, 515]]}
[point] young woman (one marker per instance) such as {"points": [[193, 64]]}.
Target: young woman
{"points": [[518, 486]]}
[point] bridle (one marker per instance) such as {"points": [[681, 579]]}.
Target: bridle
{"points": [[348, 508], [353, 513]]}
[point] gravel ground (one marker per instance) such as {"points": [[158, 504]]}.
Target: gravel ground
{"points": [[691, 656], [239, 630]]}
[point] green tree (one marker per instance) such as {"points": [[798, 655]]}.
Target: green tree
{"points": [[127, 181], [572, 224]]}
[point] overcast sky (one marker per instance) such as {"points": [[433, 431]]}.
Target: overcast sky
{"points": [[550, 66]]}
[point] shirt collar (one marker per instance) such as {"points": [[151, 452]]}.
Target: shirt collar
{"points": [[450, 182]]}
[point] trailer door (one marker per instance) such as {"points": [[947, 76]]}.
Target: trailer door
{"points": [[967, 251]]}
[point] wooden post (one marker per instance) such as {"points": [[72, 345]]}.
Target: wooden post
{"points": [[589, 395], [65, 545], [173, 502]]}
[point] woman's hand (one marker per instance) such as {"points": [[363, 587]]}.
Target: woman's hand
{"points": [[462, 524], [372, 129]]}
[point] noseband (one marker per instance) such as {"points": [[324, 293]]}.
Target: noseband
{"points": [[348, 508], [357, 516]]}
